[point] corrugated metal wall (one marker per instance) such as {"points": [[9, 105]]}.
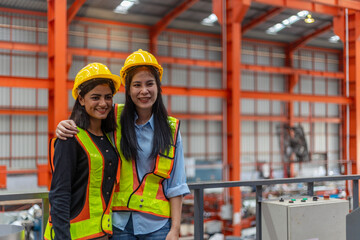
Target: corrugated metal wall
{"points": [[23, 139]]}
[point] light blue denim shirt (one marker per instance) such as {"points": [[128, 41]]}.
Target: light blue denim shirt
{"points": [[174, 186]]}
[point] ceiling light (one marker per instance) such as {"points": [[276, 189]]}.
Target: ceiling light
{"points": [[124, 6], [309, 19], [334, 39], [209, 21]]}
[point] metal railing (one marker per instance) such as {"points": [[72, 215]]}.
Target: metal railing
{"points": [[32, 195], [199, 196]]}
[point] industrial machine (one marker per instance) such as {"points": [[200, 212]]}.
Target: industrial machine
{"points": [[307, 218]]}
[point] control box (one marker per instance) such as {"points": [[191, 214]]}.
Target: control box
{"points": [[308, 218]]}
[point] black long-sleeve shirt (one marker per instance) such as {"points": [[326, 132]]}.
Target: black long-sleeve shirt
{"points": [[69, 181]]}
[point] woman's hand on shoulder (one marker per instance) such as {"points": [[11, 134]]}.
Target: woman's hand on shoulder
{"points": [[65, 129]]}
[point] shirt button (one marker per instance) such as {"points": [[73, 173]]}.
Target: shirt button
{"points": [[140, 205], [110, 163], [102, 138], [106, 150], [109, 178], [107, 193], [141, 200]]}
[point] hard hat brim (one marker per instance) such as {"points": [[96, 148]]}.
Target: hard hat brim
{"points": [[115, 78]]}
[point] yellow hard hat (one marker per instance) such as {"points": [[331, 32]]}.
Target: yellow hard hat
{"points": [[138, 58], [91, 71]]}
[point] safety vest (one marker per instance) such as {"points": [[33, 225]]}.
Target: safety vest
{"points": [[94, 220], [147, 195]]}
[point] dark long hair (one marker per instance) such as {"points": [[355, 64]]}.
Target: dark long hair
{"points": [[162, 131], [79, 114]]}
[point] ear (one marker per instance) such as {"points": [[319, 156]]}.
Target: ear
{"points": [[81, 100]]}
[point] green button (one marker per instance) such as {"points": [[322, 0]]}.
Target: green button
{"points": [[304, 199], [293, 199]]}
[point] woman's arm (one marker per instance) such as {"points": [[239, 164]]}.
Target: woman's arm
{"points": [[175, 208], [66, 129]]}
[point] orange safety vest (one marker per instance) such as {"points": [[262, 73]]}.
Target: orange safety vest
{"points": [[94, 220], [148, 195]]}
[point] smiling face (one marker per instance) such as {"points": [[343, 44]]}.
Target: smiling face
{"points": [[143, 90], [97, 102]]}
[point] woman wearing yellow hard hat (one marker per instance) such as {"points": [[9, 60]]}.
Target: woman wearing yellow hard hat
{"points": [[147, 203], [85, 168]]}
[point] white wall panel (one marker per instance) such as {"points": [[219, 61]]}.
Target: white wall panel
{"points": [[163, 49], [319, 109], [333, 129], [76, 35], [247, 81], [119, 40], [278, 83], [22, 35], [263, 143], [278, 56], [215, 105], [42, 66], [247, 54], [23, 64], [179, 104], [4, 96], [306, 85], [263, 107], [42, 147], [197, 104], [197, 144], [247, 127], [247, 143], [179, 76], [166, 75], [178, 51], [215, 145], [197, 51], [42, 34], [319, 64], [43, 98], [263, 82], [97, 37], [119, 98], [304, 108], [42, 124], [27, 143], [333, 62], [4, 123], [334, 88], [197, 78], [139, 40], [5, 62], [263, 127], [197, 126], [263, 55], [23, 97], [305, 59], [215, 127], [77, 64], [247, 106], [5, 145], [333, 143], [215, 79], [215, 54], [278, 108], [319, 86], [23, 123], [5, 31]]}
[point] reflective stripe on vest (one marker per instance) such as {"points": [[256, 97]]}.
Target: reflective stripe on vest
{"points": [[94, 220], [148, 195]]}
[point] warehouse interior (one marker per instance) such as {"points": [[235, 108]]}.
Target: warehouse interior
{"points": [[264, 89]]}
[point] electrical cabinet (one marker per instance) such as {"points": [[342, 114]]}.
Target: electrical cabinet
{"points": [[304, 219]]}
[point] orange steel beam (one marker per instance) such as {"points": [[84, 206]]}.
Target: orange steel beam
{"points": [[303, 5], [289, 70], [71, 12], [212, 117], [302, 41], [32, 112], [350, 4], [353, 135], [287, 97], [195, 92], [25, 82], [165, 21], [269, 14], [285, 119]]}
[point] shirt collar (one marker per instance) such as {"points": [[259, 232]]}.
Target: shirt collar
{"points": [[150, 122]]}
